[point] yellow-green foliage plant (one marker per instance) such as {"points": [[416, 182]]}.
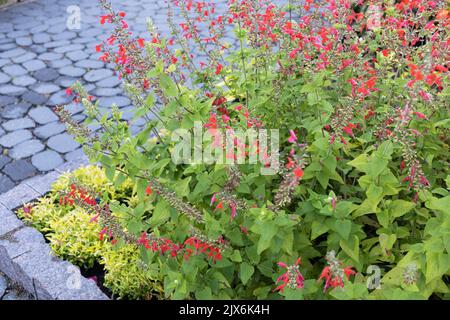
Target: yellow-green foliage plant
{"points": [[75, 238], [74, 234], [127, 275]]}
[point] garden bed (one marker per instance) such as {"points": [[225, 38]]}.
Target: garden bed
{"points": [[26, 258]]}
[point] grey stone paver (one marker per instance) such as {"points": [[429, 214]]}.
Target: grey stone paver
{"points": [[4, 78], [45, 88], [17, 110], [97, 75], [26, 149], [12, 53], [13, 138], [5, 183], [19, 170], [25, 57], [24, 41], [62, 143], [24, 81], [39, 58], [42, 115], [4, 160], [72, 71], [46, 74], [16, 124], [34, 98], [46, 160], [33, 65], [48, 130], [14, 70], [11, 90]]}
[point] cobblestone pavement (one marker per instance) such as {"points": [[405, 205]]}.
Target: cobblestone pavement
{"points": [[39, 58], [9, 291]]}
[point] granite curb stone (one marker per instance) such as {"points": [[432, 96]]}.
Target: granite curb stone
{"points": [[27, 260]]}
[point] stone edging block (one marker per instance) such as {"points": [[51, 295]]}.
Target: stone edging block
{"points": [[25, 257]]}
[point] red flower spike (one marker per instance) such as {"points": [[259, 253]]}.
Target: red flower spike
{"points": [[141, 42], [219, 206], [219, 68], [298, 172]]}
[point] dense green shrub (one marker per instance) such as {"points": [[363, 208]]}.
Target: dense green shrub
{"points": [[361, 103]]}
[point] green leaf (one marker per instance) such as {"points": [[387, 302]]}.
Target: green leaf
{"points": [[351, 248], [343, 227], [161, 213], [400, 207], [318, 228], [376, 166], [437, 265], [149, 101], [384, 218], [359, 162], [236, 256], [168, 85], [387, 242], [182, 187], [141, 186], [369, 205], [385, 150], [204, 294], [110, 173], [267, 232], [246, 272], [442, 204]]}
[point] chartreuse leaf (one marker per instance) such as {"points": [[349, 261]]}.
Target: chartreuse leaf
{"points": [[442, 204], [360, 162], [318, 228], [343, 227], [438, 263], [204, 294], [236, 256], [293, 294], [141, 186], [161, 213], [351, 248], [400, 207], [168, 85], [246, 271], [376, 166], [387, 242], [384, 218], [182, 187], [374, 195], [385, 150], [268, 231]]}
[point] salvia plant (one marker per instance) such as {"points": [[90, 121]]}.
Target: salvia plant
{"points": [[357, 92]]}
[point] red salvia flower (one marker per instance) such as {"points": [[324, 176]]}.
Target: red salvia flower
{"points": [[334, 274], [141, 42], [292, 278], [298, 172], [219, 68]]}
